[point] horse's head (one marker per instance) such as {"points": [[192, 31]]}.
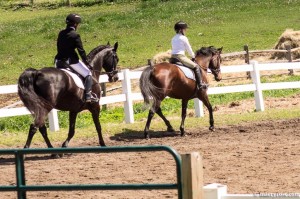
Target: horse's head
{"points": [[210, 57], [110, 61], [105, 56], [215, 63]]}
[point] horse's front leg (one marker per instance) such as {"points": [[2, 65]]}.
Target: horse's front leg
{"points": [[72, 121], [183, 116], [206, 103], [95, 114]]}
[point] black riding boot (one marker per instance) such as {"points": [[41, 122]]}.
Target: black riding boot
{"points": [[88, 82], [198, 78]]}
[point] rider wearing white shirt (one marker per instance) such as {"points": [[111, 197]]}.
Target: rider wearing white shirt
{"points": [[180, 44]]}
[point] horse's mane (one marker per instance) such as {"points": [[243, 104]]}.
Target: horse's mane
{"points": [[95, 51], [206, 51]]}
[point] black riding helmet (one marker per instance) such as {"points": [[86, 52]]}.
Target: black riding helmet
{"points": [[73, 19], [180, 25]]}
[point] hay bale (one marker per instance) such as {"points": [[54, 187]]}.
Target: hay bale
{"points": [[288, 38], [162, 57]]}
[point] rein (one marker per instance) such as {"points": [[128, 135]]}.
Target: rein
{"points": [[108, 73]]}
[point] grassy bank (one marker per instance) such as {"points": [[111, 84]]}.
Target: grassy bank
{"points": [[143, 28]]}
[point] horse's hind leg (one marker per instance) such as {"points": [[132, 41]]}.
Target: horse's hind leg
{"points": [[183, 116], [32, 131], [150, 116], [167, 122], [43, 131], [38, 123], [146, 130]]}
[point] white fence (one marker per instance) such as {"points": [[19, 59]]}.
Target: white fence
{"points": [[128, 97], [219, 191]]}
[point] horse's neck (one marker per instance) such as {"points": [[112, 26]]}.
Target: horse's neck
{"points": [[203, 63], [96, 75], [97, 63]]}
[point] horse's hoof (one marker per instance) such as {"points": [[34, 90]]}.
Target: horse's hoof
{"points": [[212, 128], [170, 129], [55, 156], [146, 136]]}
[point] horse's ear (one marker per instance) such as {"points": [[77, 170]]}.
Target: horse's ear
{"points": [[220, 49], [108, 43], [116, 46]]}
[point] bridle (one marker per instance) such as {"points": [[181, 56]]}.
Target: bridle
{"points": [[215, 70], [114, 67]]}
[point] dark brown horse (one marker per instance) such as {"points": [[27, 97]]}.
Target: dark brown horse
{"points": [[165, 79], [48, 88]]}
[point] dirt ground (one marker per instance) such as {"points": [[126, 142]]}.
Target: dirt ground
{"points": [[260, 157], [256, 157]]}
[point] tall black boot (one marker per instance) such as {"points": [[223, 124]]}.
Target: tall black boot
{"points": [[198, 78], [88, 82]]}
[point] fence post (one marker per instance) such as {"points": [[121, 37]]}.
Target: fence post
{"points": [[247, 59], [192, 176], [128, 105], [20, 174], [68, 3], [258, 95], [198, 105], [214, 191], [289, 57], [103, 89], [53, 120]]}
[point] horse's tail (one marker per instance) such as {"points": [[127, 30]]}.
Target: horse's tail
{"points": [[26, 91], [148, 89]]}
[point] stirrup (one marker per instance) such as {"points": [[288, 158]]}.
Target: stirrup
{"points": [[202, 86], [91, 97]]}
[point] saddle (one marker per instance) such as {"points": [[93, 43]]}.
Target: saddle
{"points": [[64, 66], [176, 61], [189, 73]]}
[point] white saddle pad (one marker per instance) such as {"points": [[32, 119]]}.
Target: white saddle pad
{"points": [[75, 77], [187, 72]]}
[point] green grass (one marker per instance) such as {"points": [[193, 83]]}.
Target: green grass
{"points": [[142, 28]]}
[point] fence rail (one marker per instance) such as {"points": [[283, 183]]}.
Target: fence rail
{"points": [[128, 97], [21, 188]]}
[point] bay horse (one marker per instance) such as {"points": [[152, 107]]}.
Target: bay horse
{"points": [[48, 88], [166, 79]]}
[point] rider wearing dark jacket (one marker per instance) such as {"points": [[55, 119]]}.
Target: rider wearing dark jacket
{"points": [[67, 42]]}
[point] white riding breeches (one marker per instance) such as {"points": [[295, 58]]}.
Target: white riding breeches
{"points": [[81, 68]]}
